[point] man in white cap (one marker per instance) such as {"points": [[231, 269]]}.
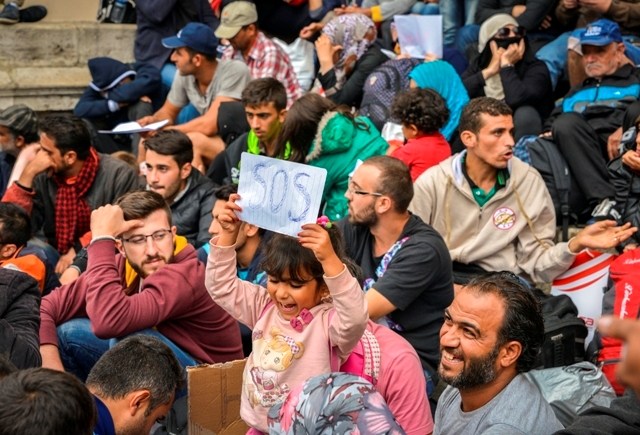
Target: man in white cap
{"points": [[238, 24]]}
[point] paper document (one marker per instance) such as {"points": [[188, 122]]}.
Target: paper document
{"points": [[278, 195], [134, 127], [420, 34]]}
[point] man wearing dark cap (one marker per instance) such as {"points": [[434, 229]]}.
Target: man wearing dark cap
{"points": [[263, 56], [587, 126], [18, 134], [214, 87], [119, 93]]}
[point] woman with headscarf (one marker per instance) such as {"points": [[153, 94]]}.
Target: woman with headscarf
{"points": [[347, 56], [506, 69]]}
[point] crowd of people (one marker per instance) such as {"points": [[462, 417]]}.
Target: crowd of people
{"points": [[407, 307]]}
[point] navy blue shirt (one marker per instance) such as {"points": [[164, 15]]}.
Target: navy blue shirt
{"points": [[104, 426]]}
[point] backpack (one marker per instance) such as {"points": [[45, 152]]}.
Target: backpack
{"points": [[381, 88], [564, 332], [105, 7], [623, 301], [547, 159]]}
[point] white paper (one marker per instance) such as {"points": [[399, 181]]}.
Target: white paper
{"points": [[278, 195], [420, 34], [134, 127]]}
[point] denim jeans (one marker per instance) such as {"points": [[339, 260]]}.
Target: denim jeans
{"points": [[455, 14], [80, 349], [168, 73], [554, 54], [421, 8], [465, 36]]}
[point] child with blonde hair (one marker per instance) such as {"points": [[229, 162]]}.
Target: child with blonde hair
{"points": [[295, 334]]}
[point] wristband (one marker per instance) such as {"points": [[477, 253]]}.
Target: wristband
{"points": [[96, 239]]}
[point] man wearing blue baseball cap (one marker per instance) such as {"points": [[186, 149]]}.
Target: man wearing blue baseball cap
{"points": [[212, 86], [587, 126]]}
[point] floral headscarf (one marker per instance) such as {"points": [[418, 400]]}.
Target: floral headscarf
{"points": [[355, 33], [334, 403]]}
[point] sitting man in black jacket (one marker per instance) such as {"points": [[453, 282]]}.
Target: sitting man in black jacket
{"points": [[587, 126], [265, 103], [120, 93], [19, 318], [189, 193]]}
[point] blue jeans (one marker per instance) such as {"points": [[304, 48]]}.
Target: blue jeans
{"points": [[80, 349], [455, 14], [421, 8], [168, 73], [187, 113], [554, 54], [465, 36]]}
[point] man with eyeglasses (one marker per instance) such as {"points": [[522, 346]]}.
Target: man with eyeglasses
{"points": [[406, 263], [154, 286]]}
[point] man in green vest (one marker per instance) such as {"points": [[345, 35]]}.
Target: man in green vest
{"points": [[265, 103]]}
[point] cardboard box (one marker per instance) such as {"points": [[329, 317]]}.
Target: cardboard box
{"points": [[214, 399]]}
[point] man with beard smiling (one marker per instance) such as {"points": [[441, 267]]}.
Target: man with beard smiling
{"points": [[406, 265], [155, 286], [494, 211], [188, 193], [491, 335]]}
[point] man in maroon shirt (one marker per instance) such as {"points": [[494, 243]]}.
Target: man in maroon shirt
{"points": [[154, 286]]}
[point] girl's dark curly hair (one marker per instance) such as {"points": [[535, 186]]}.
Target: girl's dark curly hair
{"points": [[424, 108]]}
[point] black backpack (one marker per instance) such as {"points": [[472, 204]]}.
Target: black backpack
{"points": [[567, 198], [105, 7], [381, 88], [564, 332]]}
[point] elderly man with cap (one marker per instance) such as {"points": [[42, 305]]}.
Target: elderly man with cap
{"points": [[588, 125], [214, 87], [18, 142], [238, 24]]}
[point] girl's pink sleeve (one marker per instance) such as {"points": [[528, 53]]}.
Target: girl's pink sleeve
{"points": [[243, 300]]}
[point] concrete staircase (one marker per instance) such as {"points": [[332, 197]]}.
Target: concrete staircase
{"points": [[44, 65]]}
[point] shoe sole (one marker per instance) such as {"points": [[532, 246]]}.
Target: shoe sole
{"points": [[8, 21]]}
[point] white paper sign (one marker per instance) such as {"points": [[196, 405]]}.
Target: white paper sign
{"points": [[420, 34], [278, 195], [134, 127]]}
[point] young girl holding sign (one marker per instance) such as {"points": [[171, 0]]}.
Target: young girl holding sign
{"points": [[294, 334]]}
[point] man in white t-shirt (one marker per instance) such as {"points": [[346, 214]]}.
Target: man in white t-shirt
{"points": [[491, 335], [212, 86]]}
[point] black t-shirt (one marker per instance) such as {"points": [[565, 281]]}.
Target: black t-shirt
{"points": [[418, 281]]}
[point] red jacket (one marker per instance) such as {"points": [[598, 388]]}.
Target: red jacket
{"points": [[422, 153], [173, 300]]}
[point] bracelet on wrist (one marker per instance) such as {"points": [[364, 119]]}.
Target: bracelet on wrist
{"points": [[96, 239]]}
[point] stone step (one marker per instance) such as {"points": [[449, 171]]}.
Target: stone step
{"points": [[44, 65]]}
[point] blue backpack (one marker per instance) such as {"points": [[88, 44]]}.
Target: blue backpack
{"points": [[381, 88]]}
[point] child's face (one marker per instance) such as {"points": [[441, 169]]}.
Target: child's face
{"points": [[292, 297]]}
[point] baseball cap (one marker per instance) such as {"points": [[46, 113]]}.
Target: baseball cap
{"points": [[601, 32], [234, 16], [22, 120], [196, 36]]}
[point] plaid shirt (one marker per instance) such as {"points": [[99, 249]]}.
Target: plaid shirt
{"points": [[267, 59]]}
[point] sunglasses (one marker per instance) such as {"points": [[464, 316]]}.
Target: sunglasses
{"points": [[504, 32]]}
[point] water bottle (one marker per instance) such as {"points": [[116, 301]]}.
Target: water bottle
{"points": [[118, 10]]}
